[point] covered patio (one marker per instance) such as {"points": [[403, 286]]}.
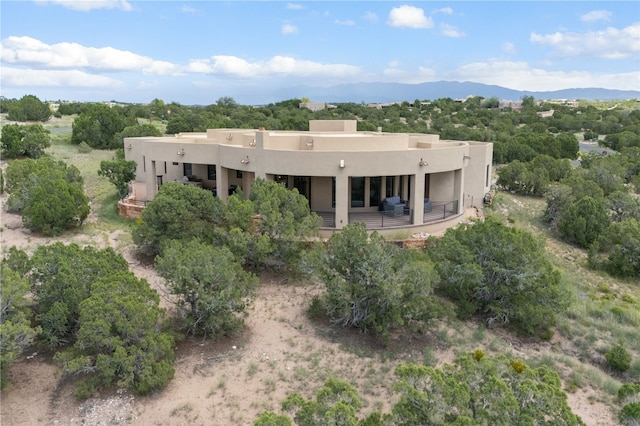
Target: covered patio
{"points": [[382, 219]]}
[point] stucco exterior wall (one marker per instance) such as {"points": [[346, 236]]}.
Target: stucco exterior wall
{"points": [[454, 170]]}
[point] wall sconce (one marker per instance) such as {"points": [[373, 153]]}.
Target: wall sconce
{"points": [[342, 164], [245, 160], [229, 136], [129, 146], [309, 142], [181, 152], [422, 163], [253, 142]]}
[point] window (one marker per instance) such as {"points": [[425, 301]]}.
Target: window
{"points": [[333, 192], [487, 178], [357, 191], [374, 190], [283, 179], [187, 169], [391, 180], [211, 172]]}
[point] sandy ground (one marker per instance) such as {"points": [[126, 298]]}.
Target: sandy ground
{"points": [[228, 382]]}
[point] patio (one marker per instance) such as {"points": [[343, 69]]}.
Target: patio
{"points": [[381, 219]]}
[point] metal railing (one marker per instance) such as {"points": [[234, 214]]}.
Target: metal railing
{"points": [[382, 219]]}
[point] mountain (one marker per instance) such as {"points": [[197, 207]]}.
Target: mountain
{"points": [[395, 92]]}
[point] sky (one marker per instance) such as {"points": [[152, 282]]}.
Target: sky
{"points": [[196, 52]]}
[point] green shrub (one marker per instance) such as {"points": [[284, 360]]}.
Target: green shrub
{"points": [[618, 357], [630, 414], [316, 310], [84, 148]]}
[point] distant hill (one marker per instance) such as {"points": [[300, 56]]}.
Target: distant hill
{"points": [[394, 92]]}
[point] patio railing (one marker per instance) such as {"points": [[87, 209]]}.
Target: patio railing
{"points": [[380, 219]]}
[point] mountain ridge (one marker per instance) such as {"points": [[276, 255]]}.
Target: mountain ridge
{"points": [[398, 92]]}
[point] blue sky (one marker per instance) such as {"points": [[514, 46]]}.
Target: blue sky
{"points": [[195, 52]]}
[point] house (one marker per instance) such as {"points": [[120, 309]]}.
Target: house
{"points": [[345, 174]]}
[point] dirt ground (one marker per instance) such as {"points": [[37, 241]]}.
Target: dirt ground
{"points": [[227, 382]]}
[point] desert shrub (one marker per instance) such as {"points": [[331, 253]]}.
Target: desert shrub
{"points": [[618, 357], [494, 271]]}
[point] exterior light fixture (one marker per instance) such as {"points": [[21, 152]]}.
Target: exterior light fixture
{"points": [[253, 142], [229, 136], [181, 152], [342, 164], [309, 142], [245, 160], [129, 146], [422, 163]]}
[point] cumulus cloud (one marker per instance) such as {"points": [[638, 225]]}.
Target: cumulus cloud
{"points": [[19, 77], [394, 73], [294, 6], [509, 47], [519, 75], [30, 52], [451, 31], [289, 29], [370, 17], [596, 15], [611, 43], [87, 5], [277, 66], [347, 22], [444, 11], [409, 17]]}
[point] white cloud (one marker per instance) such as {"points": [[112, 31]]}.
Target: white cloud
{"points": [[18, 77], [596, 15], [294, 6], [277, 66], [451, 31], [30, 52], [509, 47], [444, 11], [370, 17], [289, 29], [611, 43], [87, 5], [347, 22], [410, 17], [520, 76], [190, 9], [421, 75]]}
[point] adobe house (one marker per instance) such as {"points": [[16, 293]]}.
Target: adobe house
{"points": [[390, 181]]}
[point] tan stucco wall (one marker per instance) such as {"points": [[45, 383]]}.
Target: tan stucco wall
{"points": [[457, 170]]}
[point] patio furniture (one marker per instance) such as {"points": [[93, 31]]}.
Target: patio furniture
{"points": [[393, 206]]}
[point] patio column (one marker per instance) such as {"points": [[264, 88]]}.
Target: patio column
{"points": [[342, 200], [458, 188], [417, 198], [222, 182]]}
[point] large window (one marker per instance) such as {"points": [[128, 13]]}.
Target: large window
{"points": [[357, 191], [211, 171], [374, 190], [187, 169], [282, 179], [390, 192]]}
